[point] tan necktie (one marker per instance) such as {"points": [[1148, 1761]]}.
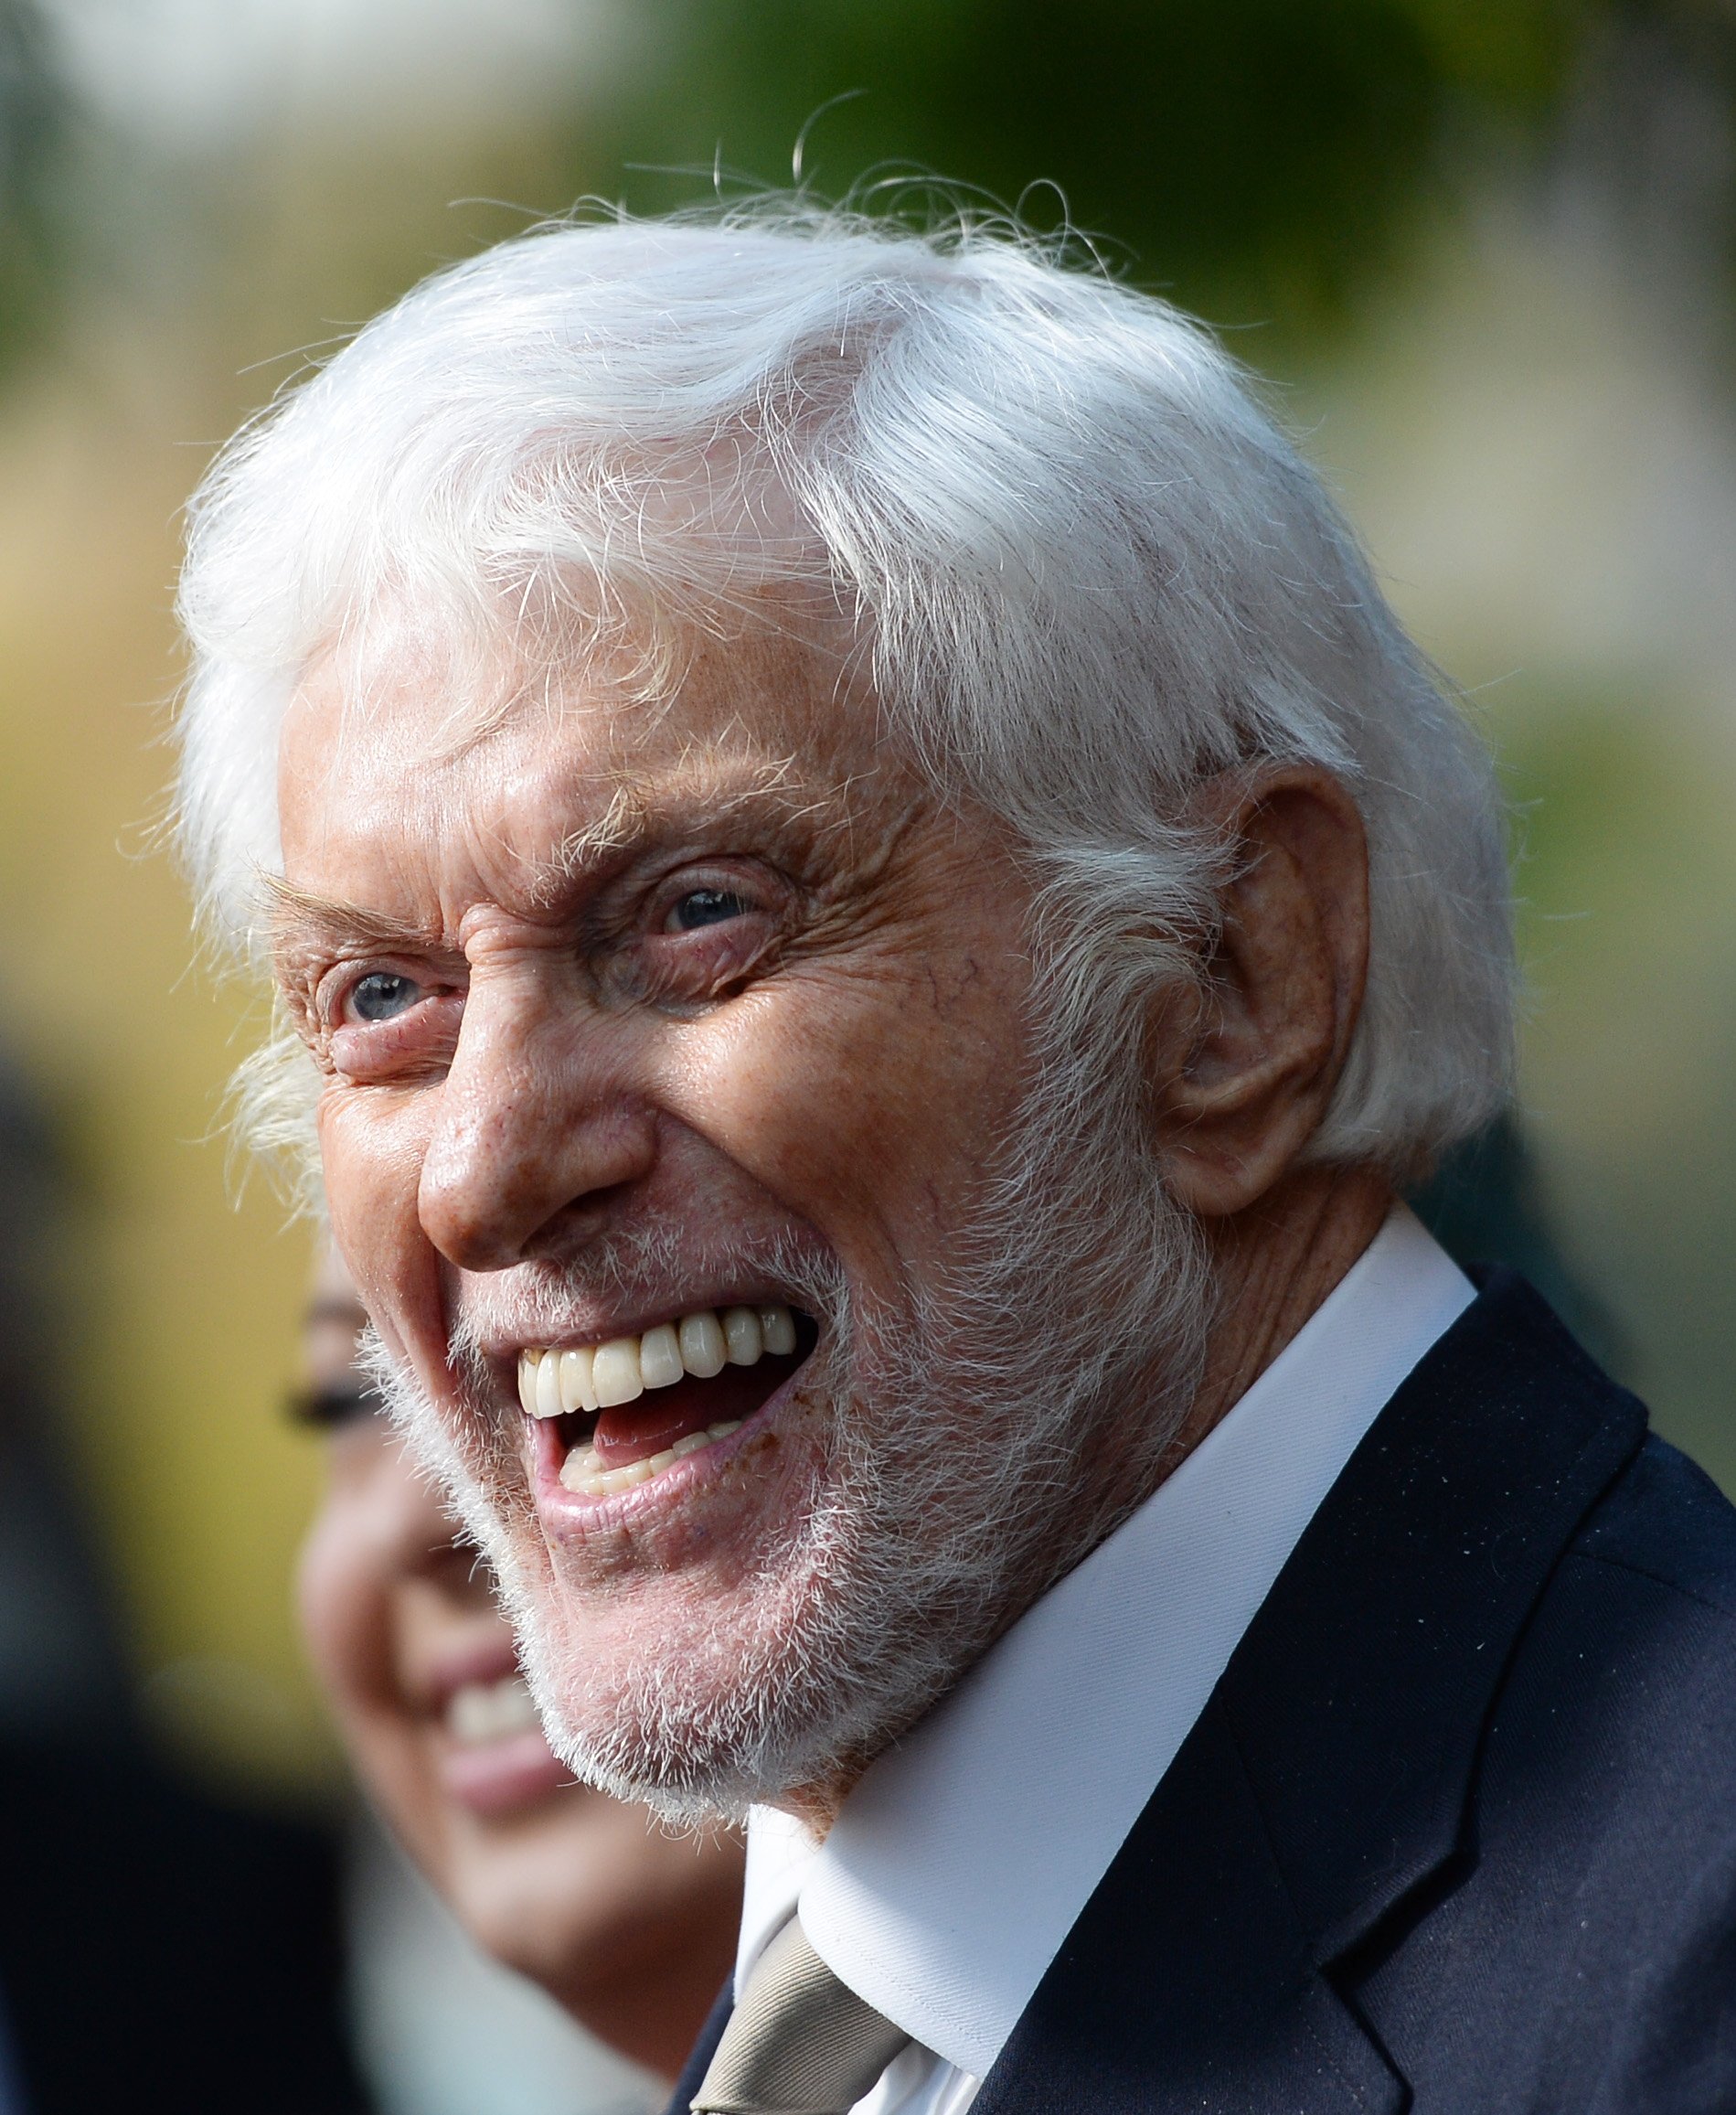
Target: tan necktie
{"points": [[800, 2042]]}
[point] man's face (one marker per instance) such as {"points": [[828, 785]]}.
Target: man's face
{"points": [[635, 1014]]}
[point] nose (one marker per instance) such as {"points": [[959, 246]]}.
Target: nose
{"points": [[537, 1126]]}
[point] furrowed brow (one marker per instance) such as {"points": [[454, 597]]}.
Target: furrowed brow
{"points": [[620, 826], [304, 925], [696, 793]]}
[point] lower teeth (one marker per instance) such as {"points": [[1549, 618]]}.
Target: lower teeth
{"points": [[583, 1471]]}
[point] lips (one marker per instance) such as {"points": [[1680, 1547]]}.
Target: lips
{"points": [[622, 1412], [493, 1757]]}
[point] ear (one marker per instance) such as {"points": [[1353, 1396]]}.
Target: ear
{"points": [[1245, 1074]]}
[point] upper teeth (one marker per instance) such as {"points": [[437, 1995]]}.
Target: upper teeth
{"points": [[485, 1711], [599, 1376]]}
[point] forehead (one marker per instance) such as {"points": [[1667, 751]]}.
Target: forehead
{"points": [[391, 753]]}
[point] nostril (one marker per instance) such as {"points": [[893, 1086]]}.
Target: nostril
{"points": [[485, 1212], [575, 1222], [466, 1238]]}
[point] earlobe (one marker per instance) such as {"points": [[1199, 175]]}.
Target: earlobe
{"points": [[1249, 1084]]}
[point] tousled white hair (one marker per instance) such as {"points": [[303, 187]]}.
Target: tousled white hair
{"points": [[1083, 568]]}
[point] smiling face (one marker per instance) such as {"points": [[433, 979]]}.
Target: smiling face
{"points": [[673, 1054], [629, 1927]]}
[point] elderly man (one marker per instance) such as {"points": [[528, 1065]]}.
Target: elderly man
{"points": [[879, 906]]}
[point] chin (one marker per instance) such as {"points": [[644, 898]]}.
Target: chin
{"points": [[702, 1698], [514, 1919], [695, 1704]]}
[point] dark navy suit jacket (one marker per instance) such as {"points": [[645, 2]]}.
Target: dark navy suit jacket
{"points": [[1456, 1830]]}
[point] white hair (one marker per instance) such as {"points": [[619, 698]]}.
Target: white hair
{"points": [[1082, 566]]}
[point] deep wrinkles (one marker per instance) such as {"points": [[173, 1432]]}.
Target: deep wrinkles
{"points": [[951, 1493]]}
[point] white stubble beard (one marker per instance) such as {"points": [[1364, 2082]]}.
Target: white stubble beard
{"points": [[1077, 1272]]}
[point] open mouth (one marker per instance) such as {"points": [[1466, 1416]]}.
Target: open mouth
{"points": [[494, 1757], [483, 1714], [625, 1411]]}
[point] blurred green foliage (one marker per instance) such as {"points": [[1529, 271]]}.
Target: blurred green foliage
{"points": [[1263, 162], [1255, 157], [30, 112]]}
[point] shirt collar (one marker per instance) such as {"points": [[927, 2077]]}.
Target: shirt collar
{"points": [[967, 1851]]}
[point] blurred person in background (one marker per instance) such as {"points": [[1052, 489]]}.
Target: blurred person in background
{"points": [[630, 1929], [160, 1946]]}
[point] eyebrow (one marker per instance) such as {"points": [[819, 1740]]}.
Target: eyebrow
{"points": [[335, 1308], [624, 823], [299, 916], [302, 918]]}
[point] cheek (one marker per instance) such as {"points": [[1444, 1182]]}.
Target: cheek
{"points": [[346, 1615], [371, 1151], [858, 1099], [349, 1616]]}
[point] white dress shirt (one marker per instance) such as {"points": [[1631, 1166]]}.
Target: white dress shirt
{"points": [[964, 1857]]}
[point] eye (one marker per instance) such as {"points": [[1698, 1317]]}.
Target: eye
{"points": [[706, 907], [383, 995]]}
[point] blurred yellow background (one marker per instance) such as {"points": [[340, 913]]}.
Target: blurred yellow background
{"points": [[1483, 251]]}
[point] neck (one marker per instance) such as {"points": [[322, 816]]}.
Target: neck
{"points": [[1274, 1264]]}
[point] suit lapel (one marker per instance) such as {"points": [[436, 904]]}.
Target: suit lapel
{"points": [[1327, 1778], [1360, 1694], [1188, 1983]]}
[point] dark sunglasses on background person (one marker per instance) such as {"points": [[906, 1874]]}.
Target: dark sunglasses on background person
{"points": [[342, 1403], [322, 1405]]}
